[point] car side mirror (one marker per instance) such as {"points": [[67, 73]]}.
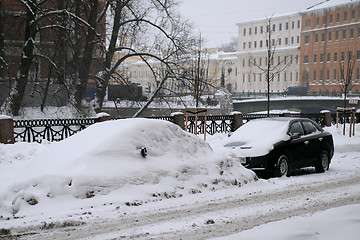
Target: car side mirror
{"points": [[295, 135]]}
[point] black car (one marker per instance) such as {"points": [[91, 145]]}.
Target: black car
{"points": [[281, 144]]}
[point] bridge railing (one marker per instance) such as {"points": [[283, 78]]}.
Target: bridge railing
{"points": [[58, 129]]}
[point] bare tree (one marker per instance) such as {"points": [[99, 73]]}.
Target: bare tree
{"points": [[346, 70], [195, 70], [139, 29], [271, 68]]}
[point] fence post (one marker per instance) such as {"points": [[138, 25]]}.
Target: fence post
{"points": [[237, 120], [6, 129], [102, 117], [179, 119], [326, 114]]}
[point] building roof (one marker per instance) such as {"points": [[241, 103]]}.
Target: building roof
{"points": [[329, 4]]}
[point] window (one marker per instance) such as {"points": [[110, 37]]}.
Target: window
{"points": [[244, 45], [309, 127], [244, 62], [279, 41], [336, 35], [280, 26], [249, 62], [317, 21], [306, 39], [322, 37], [273, 42], [292, 25], [335, 57], [344, 34], [358, 54], [296, 129], [334, 74], [284, 76], [342, 56], [249, 44], [328, 57], [351, 33], [261, 29], [285, 59], [306, 59], [254, 77], [249, 31], [244, 31], [321, 58], [279, 60], [338, 17], [321, 74], [329, 37], [255, 44], [255, 30], [261, 43], [328, 74], [358, 32], [315, 58], [324, 19], [292, 40], [331, 19], [273, 27], [260, 62], [353, 14], [298, 39], [345, 16], [316, 38], [314, 75], [286, 41], [260, 77], [287, 26], [298, 23], [243, 77]]}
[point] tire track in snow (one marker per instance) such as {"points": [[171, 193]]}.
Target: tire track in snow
{"points": [[229, 215]]}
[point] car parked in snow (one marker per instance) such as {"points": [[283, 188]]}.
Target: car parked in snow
{"points": [[282, 144]]}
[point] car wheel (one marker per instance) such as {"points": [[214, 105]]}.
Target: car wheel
{"points": [[324, 162], [282, 166]]}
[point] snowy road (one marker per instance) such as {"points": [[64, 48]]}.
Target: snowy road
{"points": [[279, 199]]}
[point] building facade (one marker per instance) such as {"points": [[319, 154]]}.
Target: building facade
{"points": [[252, 52], [330, 38]]}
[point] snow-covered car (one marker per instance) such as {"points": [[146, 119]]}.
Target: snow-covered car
{"points": [[281, 144]]}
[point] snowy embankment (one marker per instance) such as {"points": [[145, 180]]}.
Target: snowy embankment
{"points": [[102, 188]]}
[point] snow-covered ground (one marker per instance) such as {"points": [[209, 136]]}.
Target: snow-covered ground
{"points": [[96, 185]]}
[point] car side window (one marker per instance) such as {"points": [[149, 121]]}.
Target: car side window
{"points": [[309, 127], [296, 128]]}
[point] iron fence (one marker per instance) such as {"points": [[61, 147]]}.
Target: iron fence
{"points": [[59, 129]]}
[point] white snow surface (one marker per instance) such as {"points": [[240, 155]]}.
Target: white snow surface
{"points": [[98, 176]]}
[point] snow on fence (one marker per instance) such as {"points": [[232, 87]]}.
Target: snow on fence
{"points": [[58, 129]]}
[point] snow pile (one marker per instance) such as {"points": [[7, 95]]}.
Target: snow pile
{"points": [[105, 160]]}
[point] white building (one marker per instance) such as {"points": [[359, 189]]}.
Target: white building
{"points": [[252, 54]]}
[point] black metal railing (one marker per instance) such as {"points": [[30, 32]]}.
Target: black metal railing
{"points": [[58, 129], [49, 129]]}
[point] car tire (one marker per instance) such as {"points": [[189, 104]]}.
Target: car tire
{"points": [[282, 166], [324, 162]]}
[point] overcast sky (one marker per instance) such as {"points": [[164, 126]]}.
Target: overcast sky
{"points": [[216, 19]]}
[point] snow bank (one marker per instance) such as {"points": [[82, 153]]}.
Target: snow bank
{"points": [[105, 159]]}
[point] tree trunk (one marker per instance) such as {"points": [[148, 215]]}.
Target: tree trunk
{"points": [[27, 56], [87, 55]]}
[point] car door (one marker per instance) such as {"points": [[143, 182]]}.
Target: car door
{"points": [[296, 146], [312, 140]]}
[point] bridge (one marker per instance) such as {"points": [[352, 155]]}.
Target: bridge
{"points": [[300, 104]]}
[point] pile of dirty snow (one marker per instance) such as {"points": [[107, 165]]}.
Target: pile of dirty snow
{"points": [[105, 161]]}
